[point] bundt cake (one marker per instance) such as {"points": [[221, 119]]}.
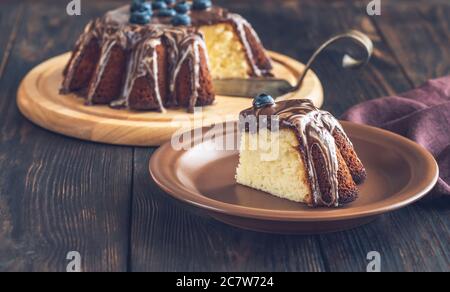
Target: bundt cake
{"points": [[152, 56], [292, 150]]}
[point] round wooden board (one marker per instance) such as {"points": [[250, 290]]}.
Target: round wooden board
{"points": [[39, 100]]}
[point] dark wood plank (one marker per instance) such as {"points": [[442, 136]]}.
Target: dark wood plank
{"points": [[10, 14], [57, 194], [419, 36], [415, 238], [167, 236]]}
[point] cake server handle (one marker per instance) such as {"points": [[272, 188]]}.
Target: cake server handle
{"points": [[348, 62], [250, 87]]}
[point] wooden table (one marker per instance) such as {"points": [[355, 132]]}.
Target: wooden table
{"points": [[59, 194]]}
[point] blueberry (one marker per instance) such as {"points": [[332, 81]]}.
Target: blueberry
{"points": [[182, 7], [263, 100], [170, 2], [181, 19], [167, 12], [140, 18], [157, 5], [138, 6], [202, 4]]}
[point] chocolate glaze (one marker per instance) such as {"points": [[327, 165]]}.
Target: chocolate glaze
{"points": [[313, 128], [139, 42]]}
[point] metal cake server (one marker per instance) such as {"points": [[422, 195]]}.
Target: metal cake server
{"points": [[278, 87]]}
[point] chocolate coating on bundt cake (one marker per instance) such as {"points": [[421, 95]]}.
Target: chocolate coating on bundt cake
{"points": [[153, 65], [332, 165]]}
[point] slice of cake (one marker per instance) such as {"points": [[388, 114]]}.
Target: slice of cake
{"points": [[294, 151], [153, 55]]}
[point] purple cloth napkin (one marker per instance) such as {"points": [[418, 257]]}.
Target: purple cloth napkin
{"points": [[422, 115]]}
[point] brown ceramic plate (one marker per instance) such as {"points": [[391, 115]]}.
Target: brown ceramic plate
{"points": [[400, 172]]}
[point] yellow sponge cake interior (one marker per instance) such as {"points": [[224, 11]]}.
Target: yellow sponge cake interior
{"points": [[227, 55], [273, 164]]}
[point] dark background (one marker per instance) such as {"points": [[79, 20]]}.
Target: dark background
{"points": [[59, 194]]}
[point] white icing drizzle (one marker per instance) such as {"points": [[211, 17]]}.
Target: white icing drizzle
{"points": [[315, 128], [196, 83], [188, 52], [182, 46], [154, 59], [240, 24], [108, 37], [81, 45], [104, 58], [142, 62]]}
